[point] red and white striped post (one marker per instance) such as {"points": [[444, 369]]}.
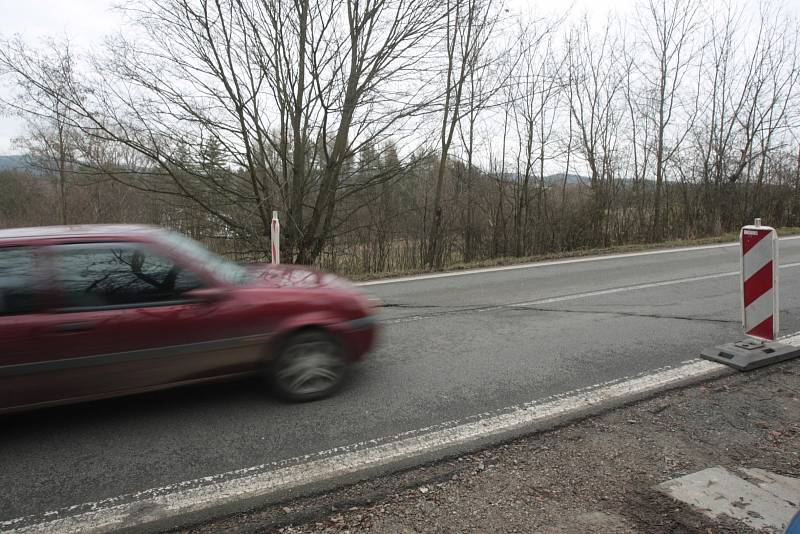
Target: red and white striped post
{"points": [[275, 238], [760, 312]]}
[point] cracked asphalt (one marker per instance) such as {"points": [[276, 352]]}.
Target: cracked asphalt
{"points": [[452, 347]]}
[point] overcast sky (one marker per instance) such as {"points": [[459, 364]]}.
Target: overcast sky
{"points": [[85, 22]]}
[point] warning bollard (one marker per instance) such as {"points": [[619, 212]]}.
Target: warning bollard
{"points": [[759, 303], [759, 281], [275, 238]]}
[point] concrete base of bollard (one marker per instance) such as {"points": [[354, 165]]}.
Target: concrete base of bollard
{"points": [[751, 353]]}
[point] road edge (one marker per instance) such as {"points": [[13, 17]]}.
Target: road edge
{"points": [[194, 502]]}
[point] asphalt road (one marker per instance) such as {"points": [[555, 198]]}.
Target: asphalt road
{"points": [[452, 347]]}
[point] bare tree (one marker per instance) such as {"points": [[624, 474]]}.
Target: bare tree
{"points": [[468, 25], [667, 27], [595, 79], [750, 80], [289, 91], [536, 87], [49, 141]]}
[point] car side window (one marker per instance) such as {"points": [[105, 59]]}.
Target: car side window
{"points": [[19, 290], [119, 275]]}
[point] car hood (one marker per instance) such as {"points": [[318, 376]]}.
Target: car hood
{"points": [[296, 277]]}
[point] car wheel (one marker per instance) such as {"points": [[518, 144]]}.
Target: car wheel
{"points": [[308, 366]]}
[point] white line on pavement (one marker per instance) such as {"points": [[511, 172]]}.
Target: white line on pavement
{"points": [[259, 482], [553, 262], [637, 287], [573, 296]]}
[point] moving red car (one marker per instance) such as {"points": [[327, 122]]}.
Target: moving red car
{"points": [[100, 311]]}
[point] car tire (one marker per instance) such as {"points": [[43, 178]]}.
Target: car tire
{"points": [[308, 366]]}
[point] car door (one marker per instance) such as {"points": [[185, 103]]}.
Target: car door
{"points": [[23, 299], [128, 320]]}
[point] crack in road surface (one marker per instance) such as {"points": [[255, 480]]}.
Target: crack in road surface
{"points": [[512, 307], [630, 314], [454, 310]]}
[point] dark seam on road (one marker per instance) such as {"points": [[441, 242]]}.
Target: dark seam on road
{"points": [[630, 314], [420, 306], [419, 316], [498, 307]]}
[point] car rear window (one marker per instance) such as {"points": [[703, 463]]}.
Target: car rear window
{"points": [[19, 291]]}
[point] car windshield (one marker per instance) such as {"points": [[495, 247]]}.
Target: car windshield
{"points": [[222, 268]]}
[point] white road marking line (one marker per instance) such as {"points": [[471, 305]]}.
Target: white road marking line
{"points": [[636, 287], [575, 296], [639, 286], [553, 263], [171, 502]]}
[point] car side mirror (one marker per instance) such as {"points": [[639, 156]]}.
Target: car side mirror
{"points": [[207, 294]]}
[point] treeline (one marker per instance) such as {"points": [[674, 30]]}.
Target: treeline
{"points": [[486, 216], [397, 135], [386, 227]]}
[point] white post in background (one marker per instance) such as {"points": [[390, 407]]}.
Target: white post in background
{"points": [[275, 234]]}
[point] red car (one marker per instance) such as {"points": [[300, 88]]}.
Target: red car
{"points": [[100, 311]]}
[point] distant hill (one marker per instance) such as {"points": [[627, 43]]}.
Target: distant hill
{"points": [[9, 163], [572, 179], [552, 179]]}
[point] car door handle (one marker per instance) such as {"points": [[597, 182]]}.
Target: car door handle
{"points": [[67, 328]]}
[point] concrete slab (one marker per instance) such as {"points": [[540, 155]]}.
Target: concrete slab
{"points": [[786, 488], [716, 491]]}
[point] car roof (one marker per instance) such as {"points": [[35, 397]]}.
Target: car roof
{"points": [[76, 232]]}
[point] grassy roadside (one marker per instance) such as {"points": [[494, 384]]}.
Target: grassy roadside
{"points": [[621, 249]]}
